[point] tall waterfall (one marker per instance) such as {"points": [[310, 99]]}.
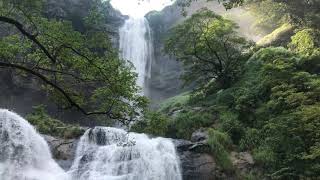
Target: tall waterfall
{"points": [[24, 154], [113, 154], [103, 153], [136, 47]]}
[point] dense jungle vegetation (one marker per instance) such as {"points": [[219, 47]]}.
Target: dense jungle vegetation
{"points": [[262, 98]]}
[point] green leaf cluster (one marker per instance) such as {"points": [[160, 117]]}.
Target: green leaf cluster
{"points": [[45, 124]]}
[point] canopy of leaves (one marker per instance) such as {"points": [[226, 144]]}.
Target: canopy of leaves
{"points": [[80, 70], [209, 48]]}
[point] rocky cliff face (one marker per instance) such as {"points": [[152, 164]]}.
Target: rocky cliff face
{"points": [[166, 70]]}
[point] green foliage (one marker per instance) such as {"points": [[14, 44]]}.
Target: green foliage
{"points": [[305, 41], [277, 37], [209, 47], [283, 127], [153, 123], [176, 101], [272, 111], [270, 14], [79, 70], [188, 122], [229, 123], [220, 143], [50, 126]]}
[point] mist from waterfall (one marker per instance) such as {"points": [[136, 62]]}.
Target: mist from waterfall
{"points": [[136, 47], [103, 153], [24, 154], [106, 153]]}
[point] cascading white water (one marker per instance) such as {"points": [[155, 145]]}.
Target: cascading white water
{"points": [[24, 154], [136, 47], [103, 153], [113, 154]]}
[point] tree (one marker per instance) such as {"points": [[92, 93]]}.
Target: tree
{"points": [[80, 70], [209, 47]]}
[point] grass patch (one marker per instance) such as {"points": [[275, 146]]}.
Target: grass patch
{"points": [[220, 143], [176, 101]]}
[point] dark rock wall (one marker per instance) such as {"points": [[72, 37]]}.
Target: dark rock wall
{"points": [[166, 71]]}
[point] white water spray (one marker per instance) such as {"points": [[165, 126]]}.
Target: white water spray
{"points": [[136, 47], [103, 153], [24, 154], [113, 154]]}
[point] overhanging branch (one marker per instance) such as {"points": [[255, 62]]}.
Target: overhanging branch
{"points": [[31, 37], [59, 89]]}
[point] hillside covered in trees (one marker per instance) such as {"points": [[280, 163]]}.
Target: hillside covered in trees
{"points": [[259, 97]]}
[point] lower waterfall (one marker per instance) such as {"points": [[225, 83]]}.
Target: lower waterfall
{"points": [[24, 154], [110, 153], [103, 153]]}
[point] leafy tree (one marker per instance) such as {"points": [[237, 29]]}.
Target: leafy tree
{"points": [[306, 41], [80, 70], [154, 123], [209, 47]]}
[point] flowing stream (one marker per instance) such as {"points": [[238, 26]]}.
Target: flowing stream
{"points": [[103, 153], [136, 47]]}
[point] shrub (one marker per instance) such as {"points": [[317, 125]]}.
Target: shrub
{"points": [[230, 124], [188, 122], [50, 126], [154, 123], [220, 143], [305, 41], [176, 101]]}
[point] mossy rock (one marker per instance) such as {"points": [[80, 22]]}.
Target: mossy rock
{"points": [[279, 37]]}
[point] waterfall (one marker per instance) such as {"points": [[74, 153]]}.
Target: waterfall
{"points": [[136, 47], [113, 154], [103, 153], [24, 154]]}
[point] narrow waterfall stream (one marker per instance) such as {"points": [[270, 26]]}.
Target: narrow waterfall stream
{"points": [[136, 47], [103, 153]]}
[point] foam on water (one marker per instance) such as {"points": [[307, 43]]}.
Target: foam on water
{"points": [[24, 154], [113, 154], [103, 153]]}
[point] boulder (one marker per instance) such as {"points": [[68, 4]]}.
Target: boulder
{"points": [[243, 161], [63, 150], [200, 135], [197, 162]]}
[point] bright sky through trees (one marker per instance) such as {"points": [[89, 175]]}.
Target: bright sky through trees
{"points": [[138, 8]]}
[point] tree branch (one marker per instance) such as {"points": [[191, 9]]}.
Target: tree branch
{"points": [[59, 89], [31, 37]]}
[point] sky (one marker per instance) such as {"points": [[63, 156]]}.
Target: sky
{"points": [[138, 8]]}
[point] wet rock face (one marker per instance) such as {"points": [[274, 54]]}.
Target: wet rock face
{"points": [[166, 71], [199, 135], [196, 164], [63, 150]]}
